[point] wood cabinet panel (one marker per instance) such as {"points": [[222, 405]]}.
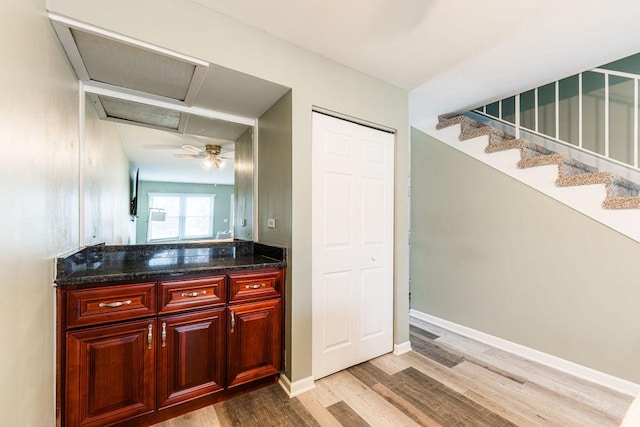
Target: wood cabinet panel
{"points": [[190, 356], [111, 373], [256, 285], [110, 303], [179, 295], [255, 341]]}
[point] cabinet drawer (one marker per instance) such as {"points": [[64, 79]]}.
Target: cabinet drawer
{"points": [[255, 285], [178, 295], [110, 303]]}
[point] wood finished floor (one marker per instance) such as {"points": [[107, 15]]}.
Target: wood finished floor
{"points": [[447, 380]]}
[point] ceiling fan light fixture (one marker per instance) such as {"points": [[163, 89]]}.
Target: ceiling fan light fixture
{"points": [[206, 163]]}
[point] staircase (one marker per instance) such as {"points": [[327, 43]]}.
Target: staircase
{"points": [[620, 192]]}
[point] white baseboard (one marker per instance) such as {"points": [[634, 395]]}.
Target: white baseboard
{"points": [[402, 348], [417, 318], [297, 387]]}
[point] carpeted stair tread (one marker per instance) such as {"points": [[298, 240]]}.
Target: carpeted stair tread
{"points": [[573, 167], [621, 203], [620, 187], [584, 179], [533, 155], [446, 120], [573, 173], [472, 129], [621, 193], [503, 145]]}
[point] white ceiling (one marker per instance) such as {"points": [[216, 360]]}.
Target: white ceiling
{"points": [[153, 151], [452, 54]]}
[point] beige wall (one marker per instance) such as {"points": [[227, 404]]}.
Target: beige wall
{"points": [[39, 171], [39, 214], [274, 173], [495, 255], [274, 198], [195, 30], [106, 183], [243, 186]]}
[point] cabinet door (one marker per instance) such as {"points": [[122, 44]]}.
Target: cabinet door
{"points": [[190, 356], [110, 373], [255, 341]]}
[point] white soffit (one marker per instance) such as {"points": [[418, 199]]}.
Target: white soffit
{"points": [[213, 128]]}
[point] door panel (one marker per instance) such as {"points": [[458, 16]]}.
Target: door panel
{"points": [[110, 373], [255, 341], [190, 356], [352, 243]]}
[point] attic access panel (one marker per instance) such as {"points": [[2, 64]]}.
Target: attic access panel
{"points": [[122, 65], [102, 56], [130, 112]]}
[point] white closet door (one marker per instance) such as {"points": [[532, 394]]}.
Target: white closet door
{"points": [[352, 244]]}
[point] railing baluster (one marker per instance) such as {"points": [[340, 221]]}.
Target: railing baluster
{"points": [[557, 87], [517, 108], [606, 115], [535, 110], [580, 110], [635, 122]]}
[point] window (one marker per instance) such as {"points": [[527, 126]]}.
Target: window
{"points": [[183, 216]]}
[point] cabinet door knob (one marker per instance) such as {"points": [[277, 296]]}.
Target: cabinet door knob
{"points": [[150, 337], [164, 334], [114, 304], [194, 294], [233, 321]]}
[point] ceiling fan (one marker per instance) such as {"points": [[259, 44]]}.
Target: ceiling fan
{"points": [[210, 155]]}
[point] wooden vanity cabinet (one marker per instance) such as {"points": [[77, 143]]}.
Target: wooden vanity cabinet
{"points": [[143, 352]]}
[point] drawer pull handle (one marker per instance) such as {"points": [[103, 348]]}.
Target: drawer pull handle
{"points": [[114, 304], [149, 337], [233, 321], [261, 285], [194, 294], [164, 334]]}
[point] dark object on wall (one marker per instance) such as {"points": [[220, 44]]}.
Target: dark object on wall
{"points": [[133, 206]]}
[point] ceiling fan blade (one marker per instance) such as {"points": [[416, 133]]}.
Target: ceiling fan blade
{"points": [[192, 148], [187, 156]]}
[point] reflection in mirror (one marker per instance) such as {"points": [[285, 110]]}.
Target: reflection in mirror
{"points": [[187, 167]]}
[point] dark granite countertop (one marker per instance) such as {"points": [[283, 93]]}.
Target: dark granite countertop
{"points": [[120, 263]]}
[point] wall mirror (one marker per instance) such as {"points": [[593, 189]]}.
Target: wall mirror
{"points": [[187, 128], [182, 171]]}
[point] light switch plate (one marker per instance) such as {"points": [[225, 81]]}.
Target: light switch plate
{"points": [[271, 223]]}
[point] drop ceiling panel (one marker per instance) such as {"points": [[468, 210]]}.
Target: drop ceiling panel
{"points": [[132, 67]]}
